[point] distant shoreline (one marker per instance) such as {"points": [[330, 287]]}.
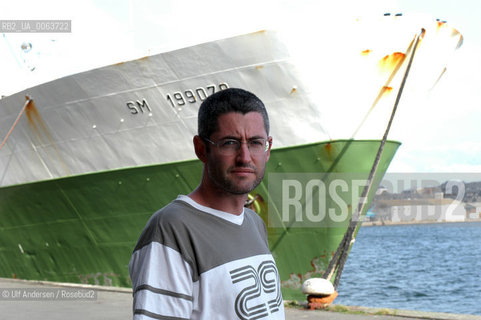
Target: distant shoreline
{"points": [[390, 223]]}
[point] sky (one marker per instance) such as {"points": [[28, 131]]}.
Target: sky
{"points": [[441, 135]]}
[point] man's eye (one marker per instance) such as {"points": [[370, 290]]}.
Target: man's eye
{"points": [[256, 143], [229, 143]]}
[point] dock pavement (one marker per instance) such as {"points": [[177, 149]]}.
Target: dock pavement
{"points": [[41, 300]]}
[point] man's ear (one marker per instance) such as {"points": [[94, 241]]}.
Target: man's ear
{"points": [[269, 150], [200, 149]]}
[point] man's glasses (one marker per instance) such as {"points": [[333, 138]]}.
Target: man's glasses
{"points": [[230, 147]]}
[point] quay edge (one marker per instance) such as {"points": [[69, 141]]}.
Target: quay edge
{"points": [[115, 303]]}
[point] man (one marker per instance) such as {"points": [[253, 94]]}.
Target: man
{"points": [[205, 256]]}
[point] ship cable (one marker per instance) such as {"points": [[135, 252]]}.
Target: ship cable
{"points": [[29, 100], [339, 259]]}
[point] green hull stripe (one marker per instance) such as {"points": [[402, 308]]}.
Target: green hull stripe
{"points": [[82, 229]]}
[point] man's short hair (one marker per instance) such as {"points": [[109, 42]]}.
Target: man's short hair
{"points": [[224, 101]]}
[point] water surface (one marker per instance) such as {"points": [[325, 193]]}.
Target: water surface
{"points": [[428, 267]]}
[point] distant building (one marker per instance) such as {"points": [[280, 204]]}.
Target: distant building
{"points": [[473, 210], [435, 210]]}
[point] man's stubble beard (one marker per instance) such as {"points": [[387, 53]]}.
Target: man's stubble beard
{"points": [[225, 184]]}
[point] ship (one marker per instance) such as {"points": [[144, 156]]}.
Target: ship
{"points": [[86, 159]]}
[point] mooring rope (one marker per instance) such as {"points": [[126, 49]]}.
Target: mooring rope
{"points": [[339, 259], [16, 121]]}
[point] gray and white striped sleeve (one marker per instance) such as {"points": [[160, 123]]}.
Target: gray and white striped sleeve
{"points": [[162, 283]]}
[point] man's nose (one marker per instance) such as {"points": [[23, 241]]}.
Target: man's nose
{"points": [[244, 154]]}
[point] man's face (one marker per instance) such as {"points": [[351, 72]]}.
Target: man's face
{"points": [[242, 171]]}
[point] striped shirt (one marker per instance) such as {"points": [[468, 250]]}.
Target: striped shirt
{"points": [[194, 262]]}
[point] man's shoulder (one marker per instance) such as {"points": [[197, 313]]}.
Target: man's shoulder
{"points": [[176, 212], [171, 212], [165, 224], [252, 215]]}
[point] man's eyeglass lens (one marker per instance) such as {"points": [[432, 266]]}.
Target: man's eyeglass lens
{"points": [[232, 146]]}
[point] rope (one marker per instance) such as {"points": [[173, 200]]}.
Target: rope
{"points": [[339, 259], [16, 121]]}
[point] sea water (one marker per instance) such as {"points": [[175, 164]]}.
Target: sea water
{"points": [[426, 267]]}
